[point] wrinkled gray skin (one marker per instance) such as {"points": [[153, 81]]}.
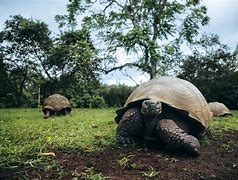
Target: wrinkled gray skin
{"points": [[152, 122]]}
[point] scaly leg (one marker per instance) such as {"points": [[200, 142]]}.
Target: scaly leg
{"points": [[131, 127], [176, 138]]}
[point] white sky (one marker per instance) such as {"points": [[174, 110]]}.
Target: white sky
{"points": [[223, 14]]}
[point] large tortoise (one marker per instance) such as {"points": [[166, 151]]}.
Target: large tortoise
{"points": [[219, 109], [165, 108], [56, 104]]}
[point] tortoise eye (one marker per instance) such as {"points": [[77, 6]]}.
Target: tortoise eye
{"points": [[146, 103]]}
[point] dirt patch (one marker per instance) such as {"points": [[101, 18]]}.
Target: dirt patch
{"points": [[218, 160]]}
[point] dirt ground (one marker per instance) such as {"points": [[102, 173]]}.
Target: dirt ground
{"points": [[218, 160]]}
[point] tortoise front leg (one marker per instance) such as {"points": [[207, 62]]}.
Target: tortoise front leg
{"points": [[131, 127], [47, 114], [176, 138]]}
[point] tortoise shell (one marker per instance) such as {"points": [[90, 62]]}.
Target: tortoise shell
{"points": [[56, 102], [174, 92], [219, 109]]}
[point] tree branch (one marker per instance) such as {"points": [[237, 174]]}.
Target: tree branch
{"points": [[157, 19], [126, 74], [122, 66], [113, 1]]}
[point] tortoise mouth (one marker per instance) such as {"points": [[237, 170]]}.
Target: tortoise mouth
{"points": [[151, 108]]}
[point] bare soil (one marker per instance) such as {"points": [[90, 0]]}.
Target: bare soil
{"points": [[218, 160]]}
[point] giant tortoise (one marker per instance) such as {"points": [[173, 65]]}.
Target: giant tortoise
{"points": [[166, 108], [56, 104], [219, 109]]}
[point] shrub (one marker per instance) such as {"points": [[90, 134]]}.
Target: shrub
{"points": [[97, 102]]}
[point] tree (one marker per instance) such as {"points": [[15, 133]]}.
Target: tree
{"points": [[7, 87], [154, 29], [115, 95], [213, 69], [74, 66], [24, 46], [31, 59]]}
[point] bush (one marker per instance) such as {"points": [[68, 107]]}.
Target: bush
{"points": [[97, 102], [88, 101], [115, 95], [73, 102], [85, 101]]}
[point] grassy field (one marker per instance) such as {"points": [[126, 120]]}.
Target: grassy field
{"points": [[225, 123], [25, 136]]}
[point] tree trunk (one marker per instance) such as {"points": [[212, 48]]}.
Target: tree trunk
{"points": [[21, 86], [153, 73], [153, 64]]}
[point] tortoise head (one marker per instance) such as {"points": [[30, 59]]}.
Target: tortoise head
{"points": [[151, 108]]}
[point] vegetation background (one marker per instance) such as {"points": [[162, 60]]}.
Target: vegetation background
{"points": [[35, 63]]}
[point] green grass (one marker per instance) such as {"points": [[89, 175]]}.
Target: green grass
{"points": [[225, 123], [25, 135]]}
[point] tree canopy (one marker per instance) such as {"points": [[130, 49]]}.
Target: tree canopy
{"points": [[154, 29], [24, 45], [34, 61], [31, 59], [213, 69]]}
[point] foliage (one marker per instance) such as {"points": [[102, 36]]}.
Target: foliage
{"points": [[126, 162], [70, 63], [103, 96], [115, 95], [31, 60], [24, 44], [213, 69], [151, 173], [152, 29], [74, 66], [7, 87], [88, 101], [98, 102], [90, 174]]}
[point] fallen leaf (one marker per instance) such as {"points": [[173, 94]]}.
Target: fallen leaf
{"points": [[94, 126], [48, 154]]}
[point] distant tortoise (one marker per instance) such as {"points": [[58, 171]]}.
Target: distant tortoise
{"points": [[56, 104], [219, 109], [168, 109]]}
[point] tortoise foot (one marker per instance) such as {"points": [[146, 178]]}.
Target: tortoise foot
{"points": [[176, 138], [130, 128], [123, 140], [191, 144]]}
